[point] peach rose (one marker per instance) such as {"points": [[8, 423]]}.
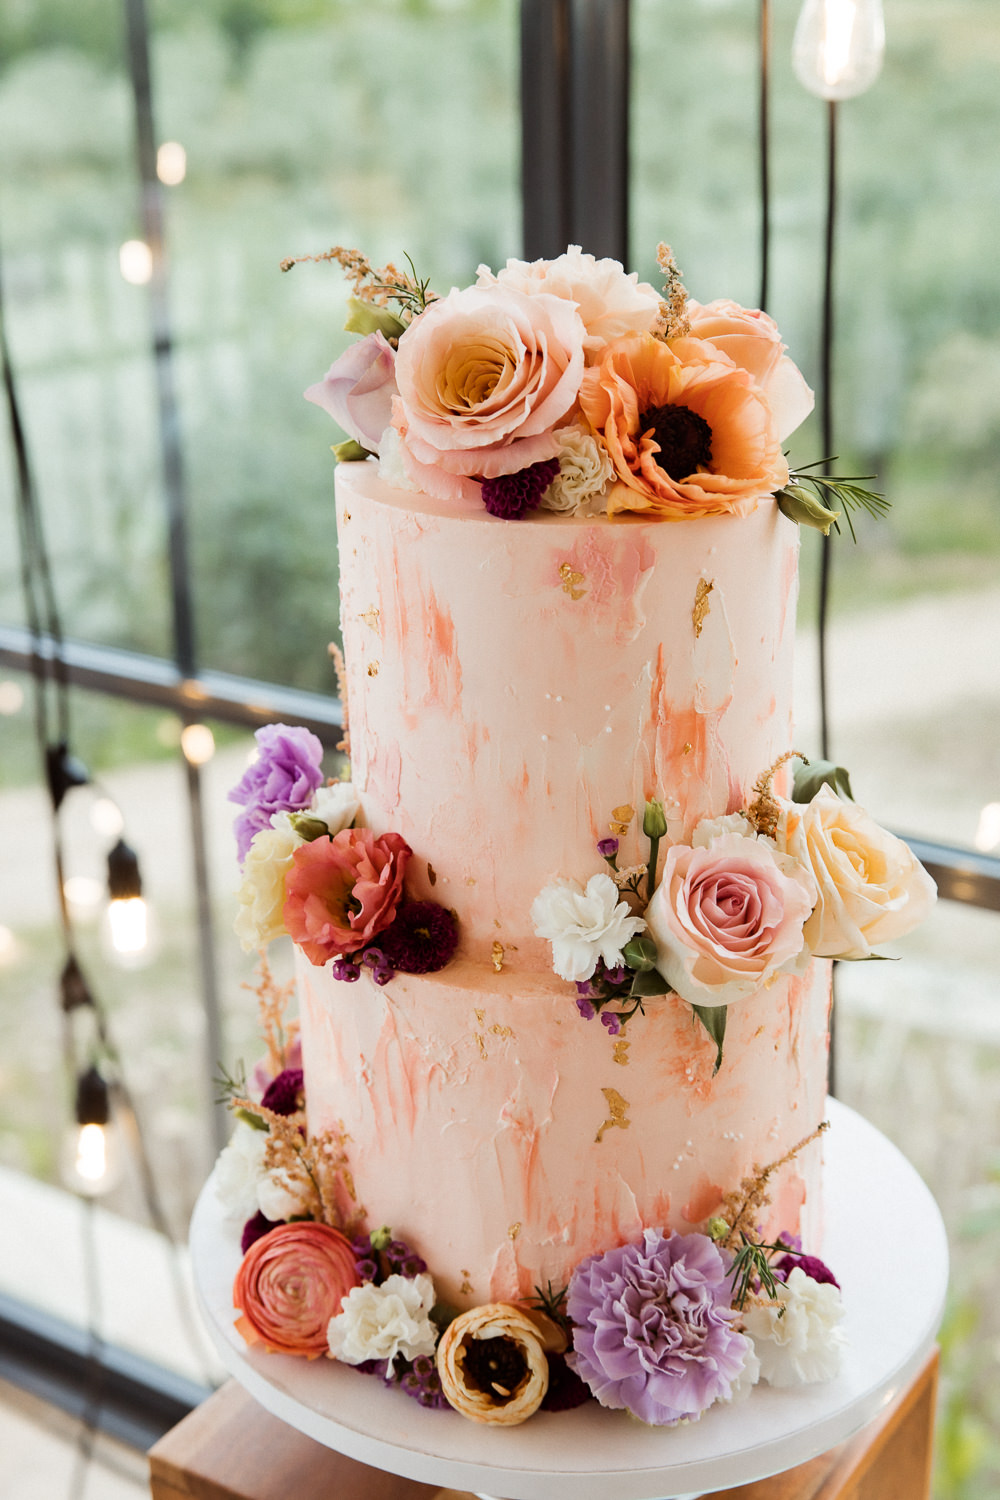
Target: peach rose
{"points": [[610, 302], [728, 918], [688, 432], [341, 892], [752, 341], [872, 889], [290, 1284], [484, 375]]}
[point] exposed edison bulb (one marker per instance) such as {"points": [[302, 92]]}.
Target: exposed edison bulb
{"points": [[92, 1151], [197, 743], [839, 46], [988, 832], [171, 163], [128, 923], [135, 261]]}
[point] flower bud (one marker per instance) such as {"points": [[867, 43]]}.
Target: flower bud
{"points": [[380, 1238], [365, 317], [717, 1229], [806, 509], [349, 452], [654, 820], [307, 827]]}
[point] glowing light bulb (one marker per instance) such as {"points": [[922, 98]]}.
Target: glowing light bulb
{"points": [[11, 697], [171, 163], [129, 924], [839, 46], [106, 818], [91, 1154], [988, 832], [135, 261], [197, 743]]}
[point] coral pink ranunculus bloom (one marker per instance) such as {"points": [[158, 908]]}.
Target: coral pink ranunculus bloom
{"points": [[728, 918], [752, 341], [640, 376], [342, 892], [290, 1284], [484, 375]]}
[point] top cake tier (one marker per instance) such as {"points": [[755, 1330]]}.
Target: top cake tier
{"points": [[509, 685]]}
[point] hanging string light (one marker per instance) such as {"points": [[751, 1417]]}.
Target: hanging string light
{"points": [[92, 1156], [839, 47]]}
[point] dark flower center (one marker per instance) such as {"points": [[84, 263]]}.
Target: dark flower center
{"points": [[684, 437], [495, 1366]]}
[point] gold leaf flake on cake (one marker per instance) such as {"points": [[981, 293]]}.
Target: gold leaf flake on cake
{"points": [[571, 581], [481, 1017], [506, 1032], [514, 1231], [701, 604], [373, 669], [466, 1287], [620, 1053], [621, 817], [481, 1043], [497, 956], [687, 748], [370, 618], [618, 1113]]}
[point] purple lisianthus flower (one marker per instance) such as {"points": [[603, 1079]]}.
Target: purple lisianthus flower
{"points": [[283, 1094], [282, 779], [654, 1328]]}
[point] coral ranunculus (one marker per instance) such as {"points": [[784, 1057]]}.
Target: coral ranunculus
{"points": [[290, 1284], [716, 452], [341, 892]]}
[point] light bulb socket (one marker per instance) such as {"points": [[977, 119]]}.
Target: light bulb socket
{"points": [[93, 1100], [74, 992], [124, 880], [64, 771]]}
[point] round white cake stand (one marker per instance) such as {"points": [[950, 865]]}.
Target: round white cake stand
{"points": [[883, 1238]]}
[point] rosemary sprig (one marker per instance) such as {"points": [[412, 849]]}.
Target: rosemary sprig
{"points": [[230, 1086], [848, 491], [553, 1305], [750, 1265]]}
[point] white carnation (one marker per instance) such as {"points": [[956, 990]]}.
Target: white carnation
{"points": [[585, 471], [239, 1170], [379, 1322], [748, 1376], [262, 890], [584, 925], [610, 302], [336, 805], [280, 1198], [801, 1341], [391, 469]]}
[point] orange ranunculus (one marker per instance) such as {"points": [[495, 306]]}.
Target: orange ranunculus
{"points": [[290, 1284], [727, 455]]}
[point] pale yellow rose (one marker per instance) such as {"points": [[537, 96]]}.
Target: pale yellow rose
{"points": [[262, 892], [872, 889]]}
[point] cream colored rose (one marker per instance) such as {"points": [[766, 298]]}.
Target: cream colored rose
{"points": [[752, 341], [492, 1364], [610, 302], [262, 892], [872, 889]]}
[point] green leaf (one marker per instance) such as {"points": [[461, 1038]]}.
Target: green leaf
{"points": [[809, 776], [251, 1119], [713, 1018], [365, 318], [640, 954], [649, 983]]}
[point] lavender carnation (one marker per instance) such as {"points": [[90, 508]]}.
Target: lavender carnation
{"points": [[510, 495], [654, 1327], [421, 939], [281, 779]]}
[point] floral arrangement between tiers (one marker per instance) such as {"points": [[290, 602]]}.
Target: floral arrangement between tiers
{"points": [[571, 386], [662, 1328]]}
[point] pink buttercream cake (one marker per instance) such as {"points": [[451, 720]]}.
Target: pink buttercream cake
{"points": [[508, 687]]}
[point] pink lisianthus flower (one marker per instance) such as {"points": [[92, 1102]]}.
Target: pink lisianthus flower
{"points": [[752, 341], [290, 1284], [484, 376], [342, 891], [728, 918], [358, 388]]}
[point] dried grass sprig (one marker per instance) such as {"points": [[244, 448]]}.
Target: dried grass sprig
{"points": [[674, 322], [764, 812], [340, 669], [378, 285], [273, 1000], [742, 1208], [315, 1167]]}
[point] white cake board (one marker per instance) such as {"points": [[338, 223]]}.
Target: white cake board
{"points": [[883, 1238]]}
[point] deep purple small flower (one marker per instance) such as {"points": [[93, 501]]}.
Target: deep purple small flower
{"points": [[566, 1389], [607, 848], [811, 1264], [612, 1020], [421, 939], [283, 1094], [587, 1008], [343, 968], [653, 1327], [281, 779], [255, 1229], [617, 975], [509, 496]]}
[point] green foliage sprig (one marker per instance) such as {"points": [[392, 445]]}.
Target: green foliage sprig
{"points": [[849, 493]]}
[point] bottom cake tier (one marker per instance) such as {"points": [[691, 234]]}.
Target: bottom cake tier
{"points": [[506, 1138]]}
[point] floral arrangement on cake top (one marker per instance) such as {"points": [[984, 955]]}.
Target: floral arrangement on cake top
{"points": [[570, 386], [308, 870], [663, 1328], [756, 893]]}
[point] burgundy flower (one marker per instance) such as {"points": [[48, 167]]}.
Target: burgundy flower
{"points": [[283, 1094], [281, 779], [811, 1264], [566, 1389], [422, 938], [653, 1327], [509, 496], [255, 1229]]}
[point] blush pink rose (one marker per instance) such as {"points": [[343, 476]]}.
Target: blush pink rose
{"points": [[752, 341], [484, 375], [358, 388], [341, 892], [728, 918], [290, 1284]]}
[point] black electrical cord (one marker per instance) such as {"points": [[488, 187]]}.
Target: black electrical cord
{"points": [[764, 142]]}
